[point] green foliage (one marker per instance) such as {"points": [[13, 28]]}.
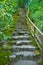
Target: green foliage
{"points": [[36, 12], [4, 56], [7, 9], [6, 20], [1, 0]]}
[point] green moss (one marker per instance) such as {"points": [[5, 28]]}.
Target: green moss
{"points": [[4, 56]]}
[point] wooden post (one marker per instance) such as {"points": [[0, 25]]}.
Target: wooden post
{"points": [[34, 31]]}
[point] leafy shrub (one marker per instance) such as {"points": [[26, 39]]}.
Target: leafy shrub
{"points": [[4, 57], [7, 8], [36, 12]]}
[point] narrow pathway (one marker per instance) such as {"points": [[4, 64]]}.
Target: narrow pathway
{"points": [[23, 50]]}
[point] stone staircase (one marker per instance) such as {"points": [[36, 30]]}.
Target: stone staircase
{"points": [[23, 50]]}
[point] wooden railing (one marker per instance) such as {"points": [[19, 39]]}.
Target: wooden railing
{"points": [[36, 33]]}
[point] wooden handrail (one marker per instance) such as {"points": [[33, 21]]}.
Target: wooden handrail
{"points": [[35, 26], [36, 33]]}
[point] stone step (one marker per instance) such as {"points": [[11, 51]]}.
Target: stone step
{"points": [[20, 37], [12, 56], [24, 62], [26, 55], [20, 42], [17, 33], [23, 42], [23, 47], [20, 26], [23, 32], [20, 29]]}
